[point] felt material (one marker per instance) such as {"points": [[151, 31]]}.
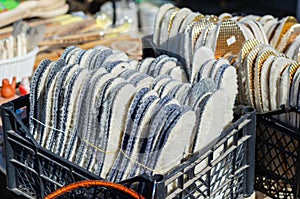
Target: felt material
{"points": [[175, 46], [163, 86], [135, 76], [201, 56], [136, 112], [183, 37], [200, 88], [264, 82], [121, 56], [143, 65], [246, 31], [173, 41], [203, 36], [248, 74], [202, 69], [295, 89], [211, 39], [35, 97], [48, 99], [164, 28], [269, 27], [133, 64], [158, 117], [198, 107], [102, 129], [160, 67], [64, 76], [120, 67], [77, 56], [96, 86], [102, 47], [109, 66], [224, 16], [246, 48], [41, 103], [91, 58], [265, 18], [193, 16], [71, 53], [141, 135], [151, 67], [283, 85], [67, 116], [174, 90], [170, 113], [159, 81], [184, 50], [119, 108], [74, 140], [262, 56], [285, 40], [100, 58], [169, 87], [101, 119], [292, 48], [126, 74], [177, 138], [164, 67], [277, 67], [216, 65], [214, 110], [85, 59], [284, 24], [140, 149], [196, 31], [142, 81], [206, 68], [226, 79], [182, 95], [158, 21], [178, 74], [256, 30], [99, 123]]}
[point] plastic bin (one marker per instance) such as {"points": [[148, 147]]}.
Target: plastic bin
{"points": [[277, 172], [224, 169], [21, 66]]}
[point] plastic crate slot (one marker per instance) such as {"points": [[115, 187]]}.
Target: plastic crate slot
{"points": [[17, 163], [201, 166], [277, 156], [26, 182], [223, 156], [244, 123]]}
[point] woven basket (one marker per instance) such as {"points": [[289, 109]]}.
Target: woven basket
{"points": [[19, 67]]}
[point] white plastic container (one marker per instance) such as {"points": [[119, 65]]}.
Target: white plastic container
{"points": [[21, 66]]}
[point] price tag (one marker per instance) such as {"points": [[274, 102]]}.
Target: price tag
{"points": [[231, 40]]}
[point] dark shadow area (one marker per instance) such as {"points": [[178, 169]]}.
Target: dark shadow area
{"points": [[277, 8], [5, 193]]}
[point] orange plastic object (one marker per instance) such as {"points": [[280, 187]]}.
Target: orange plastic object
{"points": [[8, 90], [91, 183]]}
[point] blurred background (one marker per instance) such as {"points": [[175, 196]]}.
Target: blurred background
{"points": [[276, 8]]}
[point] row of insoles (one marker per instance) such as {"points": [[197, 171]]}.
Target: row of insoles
{"points": [[118, 122], [268, 80]]}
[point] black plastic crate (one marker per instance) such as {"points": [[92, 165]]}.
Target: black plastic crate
{"points": [[277, 163], [225, 168]]}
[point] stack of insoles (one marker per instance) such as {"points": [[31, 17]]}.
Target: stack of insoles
{"points": [[268, 79], [120, 118]]}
